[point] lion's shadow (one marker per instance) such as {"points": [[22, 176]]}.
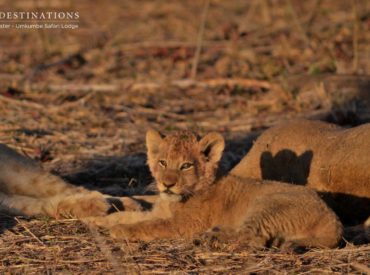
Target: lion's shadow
{"points": [[286, 166], [6, 221]]}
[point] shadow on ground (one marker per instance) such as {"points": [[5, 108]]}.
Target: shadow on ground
{"points": [[6, 222], [129, 175]]}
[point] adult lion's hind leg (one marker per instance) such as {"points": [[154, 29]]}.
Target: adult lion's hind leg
{"points": [[23, 205], [69, 206], [90, 204]]}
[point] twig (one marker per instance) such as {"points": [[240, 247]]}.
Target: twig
{"points": [[78, 87], [43, 67], [361, 267], [106, 250], [134, 86], [209, 83], [60, 261], [11, 76], [29, 231], [297, 22], [200, 40], [355, 35], [314, 13], [80, 101], [134, 46], [22, 103]]}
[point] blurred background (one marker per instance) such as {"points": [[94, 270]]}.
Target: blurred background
{"points": [[70, 96]]}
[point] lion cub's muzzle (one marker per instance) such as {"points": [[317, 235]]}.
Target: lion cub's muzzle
{"points": [[169, 191], [168, 185], [168, 188]]}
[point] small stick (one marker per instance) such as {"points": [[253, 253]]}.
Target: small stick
{"points": [[314, 13], [297, 22], [361, 267], [200, 40], [106, 250], [355, 35], [29, 231], [22, 103]]}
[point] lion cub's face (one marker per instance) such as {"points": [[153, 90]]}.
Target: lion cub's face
{"points": [[181, 163]]}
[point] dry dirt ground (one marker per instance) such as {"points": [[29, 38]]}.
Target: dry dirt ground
{"points": [[80, 101]]}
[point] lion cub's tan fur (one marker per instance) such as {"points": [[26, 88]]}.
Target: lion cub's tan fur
{"points": [[322, 156], [26, 189], [193, 201]]}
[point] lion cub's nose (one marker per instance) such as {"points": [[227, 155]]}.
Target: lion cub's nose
{"points": [[169, 184]]}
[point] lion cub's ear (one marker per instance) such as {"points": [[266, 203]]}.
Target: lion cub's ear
{"points": [[212, 145], [153, 140]]}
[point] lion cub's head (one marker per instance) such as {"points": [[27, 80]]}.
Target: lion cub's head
{"points": [[181, 163]]}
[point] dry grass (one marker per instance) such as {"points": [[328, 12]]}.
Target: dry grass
{"points": [[80, 102], [68, 246]]}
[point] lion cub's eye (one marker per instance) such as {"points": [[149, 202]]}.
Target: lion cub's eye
{"points": [[162, 163], [186, 166]]}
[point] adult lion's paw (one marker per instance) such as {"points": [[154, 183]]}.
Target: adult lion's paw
{"points": [[83, 205]]}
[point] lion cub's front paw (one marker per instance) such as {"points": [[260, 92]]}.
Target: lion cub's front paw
{"points": [[128, 232], [123, 232], [83, 205]]}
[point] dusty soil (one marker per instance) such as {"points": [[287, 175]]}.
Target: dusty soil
{"points": [[79, 101]]}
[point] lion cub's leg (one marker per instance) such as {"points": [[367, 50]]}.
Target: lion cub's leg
{"points": [[161, 225], [145, 231], [123, 217], [159, 209], [148, 230]]}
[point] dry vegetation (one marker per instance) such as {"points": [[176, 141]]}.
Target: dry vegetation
{"points": [[80, 102]]}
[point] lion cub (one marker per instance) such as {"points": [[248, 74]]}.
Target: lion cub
{"points": [[26, 189], [193, 201]]}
